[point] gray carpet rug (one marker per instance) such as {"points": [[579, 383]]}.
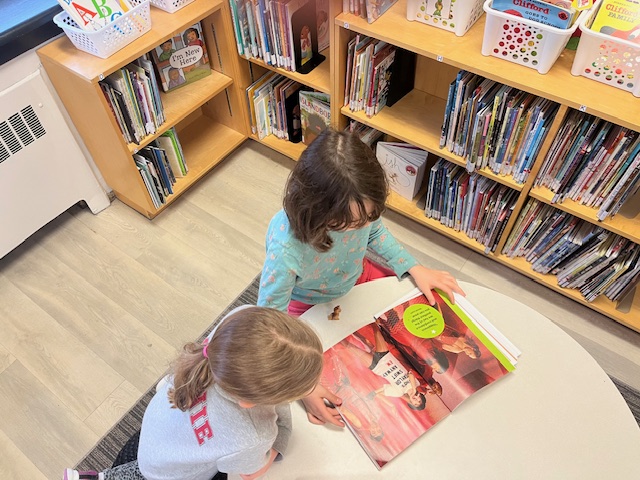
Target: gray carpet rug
{"points": [[106, 450]]}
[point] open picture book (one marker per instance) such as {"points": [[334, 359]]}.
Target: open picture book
{"points": [[411, 367]]}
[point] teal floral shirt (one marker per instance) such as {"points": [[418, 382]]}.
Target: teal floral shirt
{"points": [[296, 271]]}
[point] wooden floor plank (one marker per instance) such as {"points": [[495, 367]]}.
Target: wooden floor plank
{"points": [[61, 362]]}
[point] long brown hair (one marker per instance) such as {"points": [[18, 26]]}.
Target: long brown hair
{"points": [[259, 355], [335, 172]]}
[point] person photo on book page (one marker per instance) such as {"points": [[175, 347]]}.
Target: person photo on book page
{"points": [[455, 356], [385, 403]]}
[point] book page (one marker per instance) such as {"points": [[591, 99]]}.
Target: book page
{"points": [[385, 403], [448, 350]]}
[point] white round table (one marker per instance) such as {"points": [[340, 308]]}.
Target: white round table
{"points": [[557, 416]]}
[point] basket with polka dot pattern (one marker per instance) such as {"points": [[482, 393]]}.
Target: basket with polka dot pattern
{"points": [[170, 5], [523, 41], [462, 15], [607, 59]]}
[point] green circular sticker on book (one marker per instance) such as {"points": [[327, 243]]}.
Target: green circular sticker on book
{"points": [[423, 321]]}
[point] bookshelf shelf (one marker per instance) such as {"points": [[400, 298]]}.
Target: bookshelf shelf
{"points": [[285, 147], [628, 313], [625, 226], [318, 78], [417, 119], [178, 104], [409, 208]]}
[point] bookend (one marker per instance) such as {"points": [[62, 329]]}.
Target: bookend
{"points": [[403, 72], [305, 38]]}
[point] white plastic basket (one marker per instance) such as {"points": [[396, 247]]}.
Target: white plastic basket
{"points": [[464, 13], [113, 36], [523, 41], [170, 5], [607, 59]]}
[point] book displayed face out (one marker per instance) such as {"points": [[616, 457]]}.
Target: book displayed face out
{"points": [[401, 374]]}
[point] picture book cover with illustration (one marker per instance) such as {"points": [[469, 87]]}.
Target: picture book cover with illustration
{"points": [[315, 114], [182, 59], [555, 13], [618, 18], [410, 368]]}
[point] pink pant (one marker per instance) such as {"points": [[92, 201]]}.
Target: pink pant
{"points": [[370, 271]]}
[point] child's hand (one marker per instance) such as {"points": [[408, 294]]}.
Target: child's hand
{"points": [[318, 412], [427, 279]]}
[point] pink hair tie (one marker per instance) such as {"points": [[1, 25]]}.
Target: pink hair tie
{"points": [[205, 344]]}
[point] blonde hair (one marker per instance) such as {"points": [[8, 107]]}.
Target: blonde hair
{"points": [[257, 354]]}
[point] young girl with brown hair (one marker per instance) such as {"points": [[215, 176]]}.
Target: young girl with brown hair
{"points": [[225, 408], [316, 245]]}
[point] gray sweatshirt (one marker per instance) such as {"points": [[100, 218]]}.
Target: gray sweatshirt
{"points": [[215, 435]]}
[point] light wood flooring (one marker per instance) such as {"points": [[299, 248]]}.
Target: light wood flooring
{"points": [[93, 307]]}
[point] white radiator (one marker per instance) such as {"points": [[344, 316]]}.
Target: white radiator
{"points": [[42, 169]]}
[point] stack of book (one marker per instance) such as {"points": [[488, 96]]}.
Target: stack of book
{"points": [[274, 107], [594, 162], [286, 34], [159, 164], [370, 80], [92, 16], [493, 125], [369, 9], [469, 202], [134, 99], [581, 255]]}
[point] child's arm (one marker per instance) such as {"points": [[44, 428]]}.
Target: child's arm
{"points": [[277, 279], [264, 469], [401, 261]]}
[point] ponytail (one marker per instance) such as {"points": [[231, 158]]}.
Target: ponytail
{"points": [[191, 378], [259, 355]]}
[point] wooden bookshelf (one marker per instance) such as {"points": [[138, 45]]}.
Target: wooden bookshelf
{"points": [[620, 224], [417, 119], [207, 114], [464, 52]]}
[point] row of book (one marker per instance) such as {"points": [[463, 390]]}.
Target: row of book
{"points": [[159, 164], [469, 202], [369, 9], [377, 74], [279, 106], [593, 162], [287, 34], [581, 255], [134, 99], [494, 125]]}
